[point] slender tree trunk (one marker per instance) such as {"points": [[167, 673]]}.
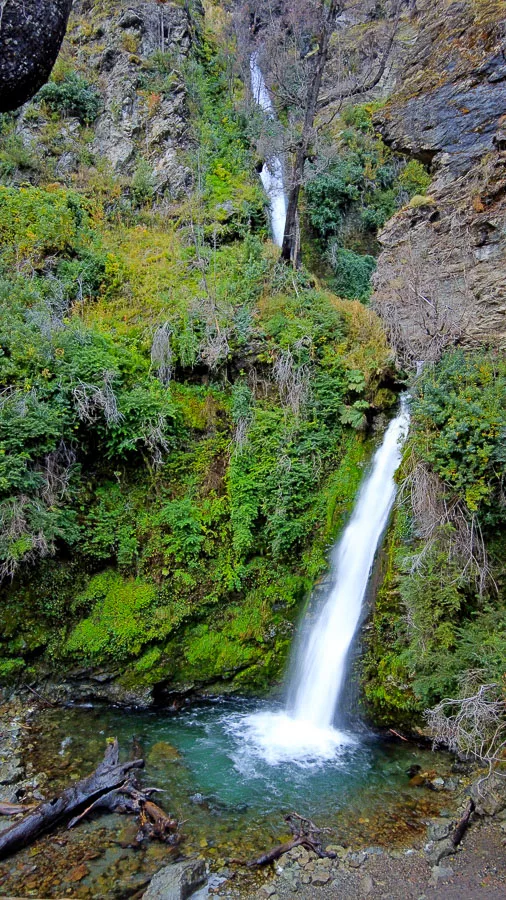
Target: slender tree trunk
{"points": [[290, 248]]}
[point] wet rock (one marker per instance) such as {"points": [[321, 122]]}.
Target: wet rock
{"points": [[177, 882], [437, 784], [164, 754]]}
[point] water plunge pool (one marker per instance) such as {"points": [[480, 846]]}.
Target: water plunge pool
{"points": [[221, 783]]}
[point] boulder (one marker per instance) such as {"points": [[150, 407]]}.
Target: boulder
{"points": [[30, 38], [178, 881], [489, 795]]}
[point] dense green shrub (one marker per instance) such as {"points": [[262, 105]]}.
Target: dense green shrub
{"points": [[73, 96], [143, 183], [353, 272], [351, 199], [459, 411]]}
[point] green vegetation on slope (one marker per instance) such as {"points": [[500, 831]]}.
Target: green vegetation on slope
{"points": [[349, 200], [177, 452]]}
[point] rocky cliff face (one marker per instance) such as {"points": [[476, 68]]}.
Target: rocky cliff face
{"points": [[131, 54], [441, 277]]}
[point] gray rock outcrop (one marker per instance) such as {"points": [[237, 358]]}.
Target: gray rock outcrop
{"points": [[132, 55], [441, 277]]}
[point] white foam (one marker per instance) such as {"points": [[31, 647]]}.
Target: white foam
{"points": [[277, 738]]}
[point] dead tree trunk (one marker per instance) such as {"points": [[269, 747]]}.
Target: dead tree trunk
{"points": [[290, 248], [107, 777], [463, 824]]}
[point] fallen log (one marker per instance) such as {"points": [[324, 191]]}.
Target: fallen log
{"points": [[108, 776], [463, 824], [153, 820]]}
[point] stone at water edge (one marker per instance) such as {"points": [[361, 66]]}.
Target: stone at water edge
{"points": [[435, 851], [489, 795], [178, 881], [439, 829], [439, 873]]}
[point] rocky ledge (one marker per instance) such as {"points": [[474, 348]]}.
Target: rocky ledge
{"points": [[441, 277]]}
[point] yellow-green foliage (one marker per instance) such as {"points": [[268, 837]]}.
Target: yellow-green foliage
{"points": [[35, 224], [199, 495]]}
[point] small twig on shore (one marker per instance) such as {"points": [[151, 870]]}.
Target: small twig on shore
{"points": [[44, 699]]}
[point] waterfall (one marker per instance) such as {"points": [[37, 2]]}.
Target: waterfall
{"points": [[272, 170], [304, 730]]}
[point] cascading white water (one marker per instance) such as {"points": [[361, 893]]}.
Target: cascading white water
{"points": [[322, 661], [305, 729], [272, 171]]}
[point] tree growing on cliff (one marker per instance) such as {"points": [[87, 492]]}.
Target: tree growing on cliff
{"points": [[313, 71]]}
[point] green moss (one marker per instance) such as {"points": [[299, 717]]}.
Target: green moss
{"points": [[10, 669], [122, 619]]}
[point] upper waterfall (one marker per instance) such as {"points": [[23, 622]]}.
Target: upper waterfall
{"points": [[272, 170]]}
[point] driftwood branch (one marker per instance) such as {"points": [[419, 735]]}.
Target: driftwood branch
{"points": [[14, 809], [79, 798], [305, 834]]}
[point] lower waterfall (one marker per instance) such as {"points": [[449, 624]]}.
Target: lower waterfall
{"points": [[305, 729]]}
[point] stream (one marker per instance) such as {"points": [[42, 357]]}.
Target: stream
{"points": [[229, 796]]}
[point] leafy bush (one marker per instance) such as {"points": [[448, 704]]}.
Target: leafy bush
{"points": [[353, 272], [348, 202], [414, 179], [35, 224], [73, 96], [460, 415], [143, 183], [330, 195]]}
